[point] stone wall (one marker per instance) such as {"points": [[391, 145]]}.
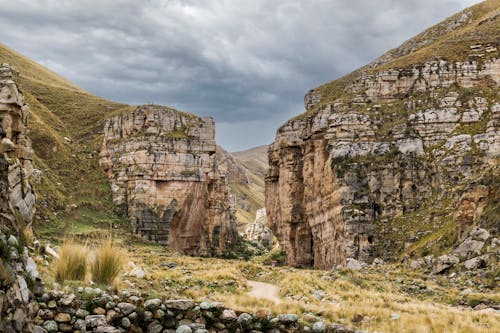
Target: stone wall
{"points": [[92, 310], [164, 176], [395, 140], [17, 206]]}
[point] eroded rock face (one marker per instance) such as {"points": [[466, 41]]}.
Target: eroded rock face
{"points": [[397, 141], [258, 231], [15, 153], [164, 175], [17, 206]]}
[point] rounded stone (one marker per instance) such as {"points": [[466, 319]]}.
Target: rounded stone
{"points": [[126, 308], [184, 329], [62, 317], [152, 304], [288, 318], [319, 327], [50, 326], [206, 306], [155, 327], [245, 319], [228, 315], [126, 322], [13, 241]]}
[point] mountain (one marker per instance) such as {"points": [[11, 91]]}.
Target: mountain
{"points": [[250, 197], [398, 158]]}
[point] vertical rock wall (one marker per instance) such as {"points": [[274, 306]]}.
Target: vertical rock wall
{"points": [[342, 175], [17, 206], [164, 175]]}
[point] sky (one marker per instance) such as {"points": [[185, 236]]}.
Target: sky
{"points": [[247, 63]]}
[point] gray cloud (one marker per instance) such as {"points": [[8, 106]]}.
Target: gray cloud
{"points": [[247, 63]]}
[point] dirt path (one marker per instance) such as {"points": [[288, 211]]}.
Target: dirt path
{"points": [[264, 291]]}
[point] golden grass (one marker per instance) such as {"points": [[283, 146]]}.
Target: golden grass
{"points": [[28, 235], [108, 262], [375, 295], [72, 263]]}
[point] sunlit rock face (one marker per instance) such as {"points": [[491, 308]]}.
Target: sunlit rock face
{"points": [[395, 141], [164, 176]]}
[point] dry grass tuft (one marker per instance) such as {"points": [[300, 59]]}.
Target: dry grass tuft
{"points": [[72, 263], [28, 235], [108, 263]]}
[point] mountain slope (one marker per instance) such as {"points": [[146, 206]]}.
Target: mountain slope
{"points": [[450, 39], [65, 124], [246, 171], [399, 158]]}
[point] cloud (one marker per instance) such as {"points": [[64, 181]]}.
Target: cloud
{"points": [[247, 63]]}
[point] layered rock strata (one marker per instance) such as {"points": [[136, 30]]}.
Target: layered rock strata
{"points": [[342, 173], [164, 176], [17, 206]]}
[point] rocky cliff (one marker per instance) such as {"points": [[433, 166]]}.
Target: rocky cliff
{"points": [[17, 206], [164, 175], [400, 155]]}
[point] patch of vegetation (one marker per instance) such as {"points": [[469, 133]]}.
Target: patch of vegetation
{"points": [[108, 263], [72, 263], [241, 249]]}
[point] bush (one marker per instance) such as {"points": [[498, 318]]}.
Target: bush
{"points": [[108, 262], [72, 263]]}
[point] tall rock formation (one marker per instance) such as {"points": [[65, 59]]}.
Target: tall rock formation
{"points": [[164, 175], [403, 150], [258, 231], [16, 153], [17, 206]]}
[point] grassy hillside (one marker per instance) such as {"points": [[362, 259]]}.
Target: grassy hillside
{"points": [[449, 40], [65, 128], [251, 196]]}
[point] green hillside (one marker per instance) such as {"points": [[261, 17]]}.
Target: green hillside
{"points": [[65, 125]]}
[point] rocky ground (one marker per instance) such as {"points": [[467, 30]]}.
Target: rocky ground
{"points": [[380, 297]]}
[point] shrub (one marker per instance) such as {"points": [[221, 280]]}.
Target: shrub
{"points": [[108, 262], [72, 263]]}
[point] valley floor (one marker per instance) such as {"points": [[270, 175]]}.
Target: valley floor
{"points": [[383, 298]]}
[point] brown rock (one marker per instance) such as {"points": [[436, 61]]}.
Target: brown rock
{"points": [[62, 317], [335, 171], [164, 174]]}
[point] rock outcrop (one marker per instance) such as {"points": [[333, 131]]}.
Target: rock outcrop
{"points": [[258, 231], [164, 176], [15, 153], [17, 206], [362, 172]]}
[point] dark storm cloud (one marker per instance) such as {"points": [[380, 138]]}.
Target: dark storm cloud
{"points": [[247, 63]]}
